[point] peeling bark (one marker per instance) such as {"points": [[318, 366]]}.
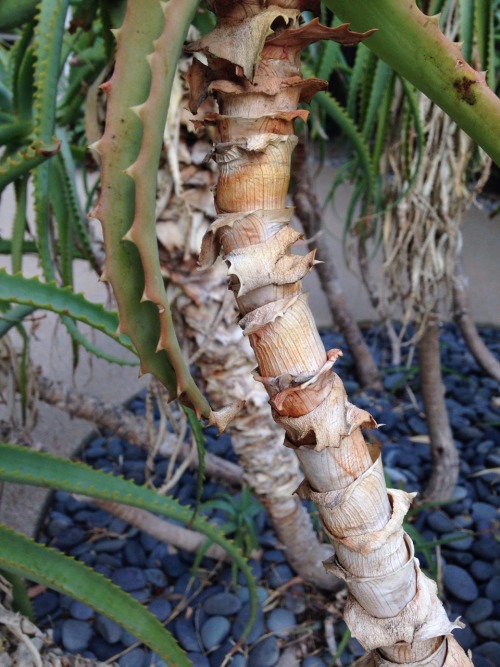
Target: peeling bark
{"points": [[208, 321], [392, 608], [445, 460], [309, 213]]}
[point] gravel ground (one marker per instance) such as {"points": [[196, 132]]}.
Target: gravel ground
{"points": [[459, 542]]}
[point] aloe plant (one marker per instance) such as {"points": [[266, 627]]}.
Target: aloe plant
{"points": [[254, 72]]}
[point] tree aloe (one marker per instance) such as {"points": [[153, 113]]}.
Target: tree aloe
{"points": [[253, 70]]}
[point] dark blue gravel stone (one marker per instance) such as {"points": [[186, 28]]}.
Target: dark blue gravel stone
{"points": [[486, 548], [118, 525], [264, 654], [440, 522], [489, 629], [75, 635], [128, 638], [58, 524], [70, 538], [222, 604], [241, 620], [103, 650], [281, 622], [80, 611], [481, 661], [484, 511], [295, 600], [173, 566], [46, 604], [479, 610], [279, 575], [274, 556], [109, 545], [156, 555], [217, 657], [129, 578], [198, 659], [313, 661], [134, 554], [147, 542], [481, 570], [186, 634], [141, 595], [136, 658], [214, 631], [108, 629], [493, 588], [110, 560], [101, 519], [161, 608], [461, 541], [156, 577], [490, 650], [459, 583], [466, 638]]}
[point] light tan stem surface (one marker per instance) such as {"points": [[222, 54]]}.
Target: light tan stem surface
{"points": [[254, 72]]}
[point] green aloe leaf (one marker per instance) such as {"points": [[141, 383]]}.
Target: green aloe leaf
{"points": [[62, 300], [24, 557], [25, 466]]}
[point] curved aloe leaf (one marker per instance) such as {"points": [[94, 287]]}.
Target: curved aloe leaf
{"points": [[61, 300], [24, 161], [49, 33], [414, 45], [25, 466], [24, 557], [346, 124], [13, 13]]}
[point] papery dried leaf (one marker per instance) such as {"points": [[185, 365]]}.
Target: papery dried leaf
{"points": [[269, 262], [221, 418], [289, 43], [266, 314], [241, 42]]}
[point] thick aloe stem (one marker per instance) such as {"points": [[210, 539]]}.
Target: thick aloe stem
{"points": [[445, 459], [462, 316], [414, 45], [309, 213], [208, 320], [254, 72]]}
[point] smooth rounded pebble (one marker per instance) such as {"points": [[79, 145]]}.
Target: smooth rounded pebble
{"points": [[80, 611], [265, 653], [241, 620], [186, 635], [129, 578], [222, 604], [160, 608], [136, 658], [214, 631], [108, 629], [479, 610], [493, 588], [459, 583], [313, 661], [281, 622], [489, 629], [198, 659], [76, 635]]}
